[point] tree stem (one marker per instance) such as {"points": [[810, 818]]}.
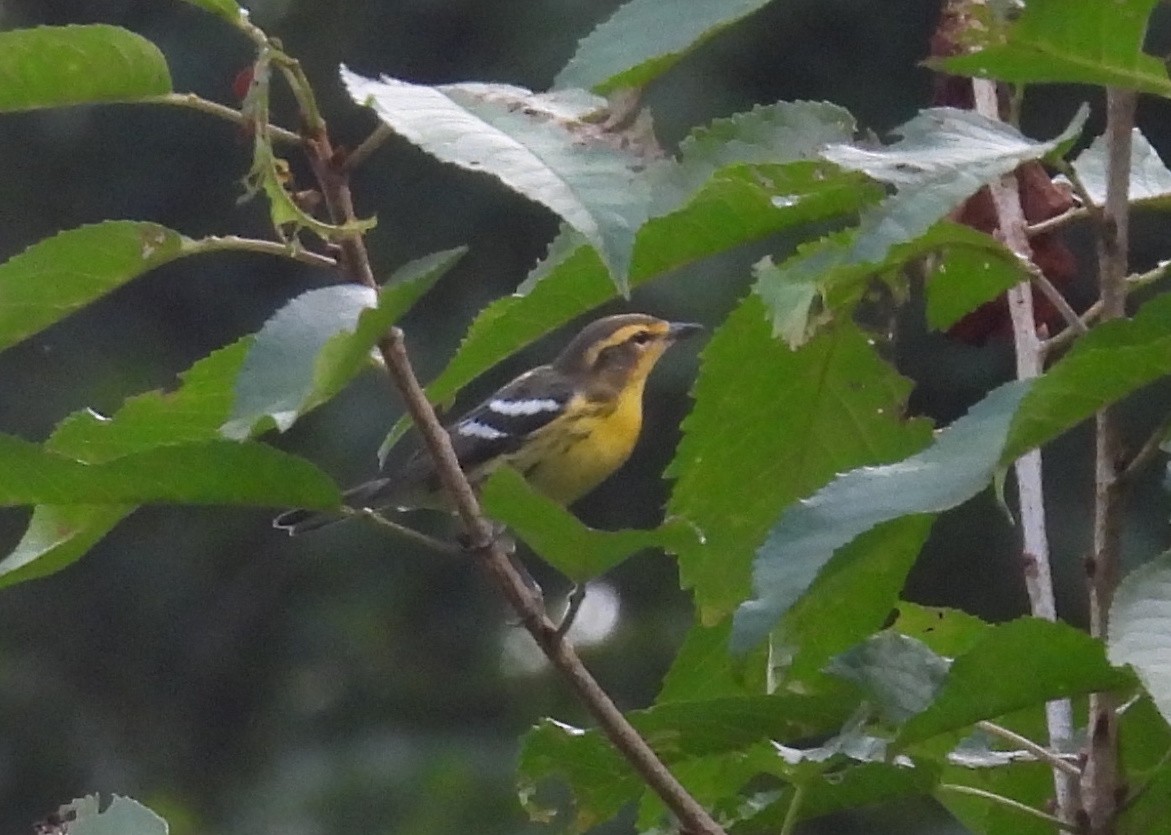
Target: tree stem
{"points": [[1030, 357], [1100, 779]]}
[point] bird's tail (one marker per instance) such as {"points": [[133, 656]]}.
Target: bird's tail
{"points": [[303, 520]]}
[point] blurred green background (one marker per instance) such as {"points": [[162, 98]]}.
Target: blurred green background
{"points": [[239, 681]]}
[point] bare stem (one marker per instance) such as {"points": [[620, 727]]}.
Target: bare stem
{"points": [[292, 251], [1039, 751], [194, 102], [1101, 780], [789, 825], [1030, 356], [1007, 802], [482, 541], [368, 146], [406, 532], [1058, 222]]}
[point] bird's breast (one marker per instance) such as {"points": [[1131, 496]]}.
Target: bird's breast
{"points": [[592, 441]]}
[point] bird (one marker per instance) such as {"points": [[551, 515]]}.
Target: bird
{"points": [[565, 426]]}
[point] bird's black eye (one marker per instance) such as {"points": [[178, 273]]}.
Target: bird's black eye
{"points": [[641, 338]]}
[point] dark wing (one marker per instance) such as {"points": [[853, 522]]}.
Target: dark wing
{"points": [[498, 426], [503, 422]]}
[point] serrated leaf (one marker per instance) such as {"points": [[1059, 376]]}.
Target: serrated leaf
{"points": [[770, 425], [645, 38], [1145, 739], [1027, 783], [318, 342], [543, 146], [1140, 628], [1063, 662], [229, 10], [1105, 365], [558, 537], [212, 472], [1068, 42], [900, 675], [122, 817], [61, 274], [1150, 180], [960, 463], [55, 66], [783, 132], [58, 535], [944, 156]]}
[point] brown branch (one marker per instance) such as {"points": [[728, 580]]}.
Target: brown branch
{"points": [[1101, 780], [333, 179]]}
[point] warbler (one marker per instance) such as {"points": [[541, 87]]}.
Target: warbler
{"points": [[564, 426]]}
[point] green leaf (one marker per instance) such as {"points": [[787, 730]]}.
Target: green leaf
{"points": [[122, 817], [645, 38], [899, 674], [864, 785], [55, 66], [547, 147], [1150, 180], [579, 552], [1145, 740], [869, 572], [602, 782], [210, 472], [1140, 628], [704, 669], [318, 342], [948, 632], [1027, 783], [229, 10], [58, 535], [1105, 365], [968, 274], [945, 155], [1068, 42], [1062, 661], [61, 274], [770, 425], [960, 463]]}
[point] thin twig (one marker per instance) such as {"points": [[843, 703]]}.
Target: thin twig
{"points": [[1039, 751], [367, 147], [1055, 298], [481, 541], [294, 252], [789, 825], [1008, 803], [407, 532], [1030, 356], [573, 603], [194, 102], [1100, 778], [1058, 341], [1146, 453], [1056, 222]]}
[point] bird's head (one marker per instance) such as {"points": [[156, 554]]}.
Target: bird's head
{"points": [[617, 350]]}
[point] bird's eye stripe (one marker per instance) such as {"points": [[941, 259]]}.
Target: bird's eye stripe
{"points": [[475, 429], [531, 406]]}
